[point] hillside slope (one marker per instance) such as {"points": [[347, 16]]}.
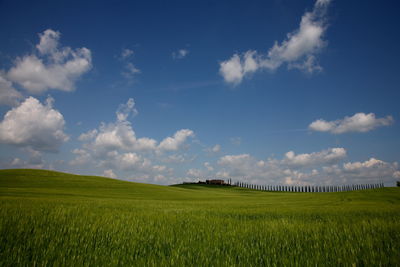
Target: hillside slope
{"points": [[44, 183], [30, 183], [56, 219]]}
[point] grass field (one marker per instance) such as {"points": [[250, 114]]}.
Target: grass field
{"points": [[50, 218]]}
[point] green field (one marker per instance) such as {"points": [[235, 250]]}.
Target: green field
{"points": [[51, 219]]}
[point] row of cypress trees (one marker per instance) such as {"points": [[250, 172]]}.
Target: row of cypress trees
{"points": [[309, 188]]}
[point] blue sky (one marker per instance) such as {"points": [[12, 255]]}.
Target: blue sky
{"points": [[269, 92]]}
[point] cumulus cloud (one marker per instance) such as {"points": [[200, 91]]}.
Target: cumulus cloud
{"points": [[208, 166], [115, 146], [175, 142], [8, 95], [32, 124], [135, 164], [81, 157], [54, 67], [131, 161], [371, 163], [121, 136], [372, 170], [235, 140], [298, 50], [328, 156], [317, 168], [18, 163], [359, 122], [126, 53], [180, 54], [125, 110], [237, 165], [214, 149], [33, 160], [130, 70], [234, 159], [203, 173], [194, 173], [109, 173], [88, 135], [118, 135], [176, 158], [245, 167], [234, 69]]}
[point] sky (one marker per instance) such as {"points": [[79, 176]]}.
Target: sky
{"points": [[266, 92]]}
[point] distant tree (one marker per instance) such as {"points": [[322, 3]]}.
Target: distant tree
{"points": [[398, 183]]}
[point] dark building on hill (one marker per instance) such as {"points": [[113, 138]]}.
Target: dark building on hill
{"points": [[216, 182]]}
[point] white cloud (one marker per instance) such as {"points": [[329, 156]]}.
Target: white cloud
{"points": [[8, 95], [372, 170], [130, 70], [354, 166], [208, 166], [31, 159], [298, 50], [81, 157], [328, 156], [56, 68], [118, 135], [359, 122], [160, 168], [234, 159], [132, 161], [214, 149], [126, 53], [174, 143], [109, 173], [180, 54], [145, 143], [235, 141], [34, 125], [309, 65], [125, 110], [238, 165], [321, 126], [194, 173], [22, 164], [322, 3], [203, 173], [244, 167], [48, 42], [114, 136], [115, 146], [232, 70], [175, 158], [317, 168], [88, 135], [34, 161]]}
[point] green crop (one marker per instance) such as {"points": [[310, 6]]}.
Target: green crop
{"points": [[57, 219]]}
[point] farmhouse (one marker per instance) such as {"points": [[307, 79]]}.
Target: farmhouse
{"points": [[215, 182], [212, 182], [219, 182]]}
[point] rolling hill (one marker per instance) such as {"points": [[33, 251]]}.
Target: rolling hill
{"points": [[53, 218]]}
